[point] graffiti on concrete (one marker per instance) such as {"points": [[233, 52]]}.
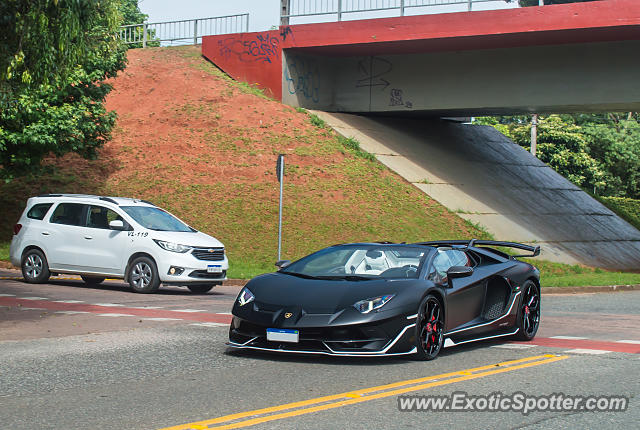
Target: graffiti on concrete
{"points": [[303, 78], [371, 72], [263, 48], [397, 99]]}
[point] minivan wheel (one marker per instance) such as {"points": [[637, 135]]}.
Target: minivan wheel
{"points": [[200, 289], [143, 275], [35, 269], [92, 280]]}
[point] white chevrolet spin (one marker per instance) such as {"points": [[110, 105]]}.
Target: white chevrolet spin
{"points": [[114, 237]]}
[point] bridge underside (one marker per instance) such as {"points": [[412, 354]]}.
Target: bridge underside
{"points": [[582, 77]]}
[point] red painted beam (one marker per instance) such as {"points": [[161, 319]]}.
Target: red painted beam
{"points": [[596, 21]]}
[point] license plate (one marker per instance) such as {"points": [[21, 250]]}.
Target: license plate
{"points": [[282, 335], [214, 268]]}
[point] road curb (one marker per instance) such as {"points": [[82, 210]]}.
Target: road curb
{"points": [[590, 289]]}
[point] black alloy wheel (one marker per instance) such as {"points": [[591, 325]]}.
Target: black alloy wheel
{"points": [[429, 328], [529, 312]]}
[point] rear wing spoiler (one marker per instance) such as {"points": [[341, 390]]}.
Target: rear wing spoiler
{"points": [[534, 250]]}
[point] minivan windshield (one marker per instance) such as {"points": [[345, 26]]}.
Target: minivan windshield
{"points": [[156, 219], [360, 262]]}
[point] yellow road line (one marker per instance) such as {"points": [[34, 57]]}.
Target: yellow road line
{"points": [[359, 396]]}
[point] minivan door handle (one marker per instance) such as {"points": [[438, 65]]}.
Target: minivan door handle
{"points": [[45, 233], [88, 237]]}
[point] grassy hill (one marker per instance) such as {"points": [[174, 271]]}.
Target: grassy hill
{"points": [[204, 147]]}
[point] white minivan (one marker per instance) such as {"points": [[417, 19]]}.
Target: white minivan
{"points": [[114, 237]]}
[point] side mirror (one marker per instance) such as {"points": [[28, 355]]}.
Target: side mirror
{"points": [[459, 272], [117, 224], [281, 264]]}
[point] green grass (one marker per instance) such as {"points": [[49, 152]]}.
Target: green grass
{"points": [[565, 275], [4, 251]]}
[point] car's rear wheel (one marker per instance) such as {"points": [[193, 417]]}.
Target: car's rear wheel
{"points": [[429, 328], [143, 275], [529, 312], [200, 289], [35, 268], [92, 280]]}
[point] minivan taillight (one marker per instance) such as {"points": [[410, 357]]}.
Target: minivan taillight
{"points": [[16, 228]]}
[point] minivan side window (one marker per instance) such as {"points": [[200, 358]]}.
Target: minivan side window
{"points": [[100, 217], [68, 213], [39, 211]]}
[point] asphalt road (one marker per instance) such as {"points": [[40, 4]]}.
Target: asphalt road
{"points": [[76, 357]]}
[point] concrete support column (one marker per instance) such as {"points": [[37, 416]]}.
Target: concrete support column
{"points": [[285, 9]]}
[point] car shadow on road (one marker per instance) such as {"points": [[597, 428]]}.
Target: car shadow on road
{"points": [[124, 288], [351, 361]]}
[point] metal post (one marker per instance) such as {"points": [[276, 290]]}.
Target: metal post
{"points": [[195, 31], [285, 11], [470, 5], [144, 35], [401, 7], [247, 28], [534, 133], [540, 2], [280, 172], [339, 10]]}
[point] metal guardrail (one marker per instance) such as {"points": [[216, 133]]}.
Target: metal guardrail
{"points": [[302, 8], [188, 30]]}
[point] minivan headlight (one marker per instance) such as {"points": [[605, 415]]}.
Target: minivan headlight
{"points": [[173, 247]]}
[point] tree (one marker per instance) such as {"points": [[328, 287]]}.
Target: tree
{"points": [[616, 145], [61, 53], [131, 13]]}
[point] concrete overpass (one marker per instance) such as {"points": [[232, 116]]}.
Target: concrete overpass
{"points": [[571, 58], [559, 58]]}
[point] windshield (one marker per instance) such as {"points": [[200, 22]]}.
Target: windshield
{"points": [[362, 261], [155, 219]]}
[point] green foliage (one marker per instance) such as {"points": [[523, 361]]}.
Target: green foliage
{"points": [[616, 145], [131, 13], [317, 121], [58, 109], [628, 209]]}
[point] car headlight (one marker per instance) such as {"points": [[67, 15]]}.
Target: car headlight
{"points": [[245, 297], [173, 247], [366, 306]]}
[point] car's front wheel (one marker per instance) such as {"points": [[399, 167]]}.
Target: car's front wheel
{"points": [[200, 289], [35, 268], [429, 328], [143, 275], [529, 312], [92, 280]]}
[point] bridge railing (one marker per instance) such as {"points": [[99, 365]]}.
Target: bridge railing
{"points": [[188, 31], [306, 8]]}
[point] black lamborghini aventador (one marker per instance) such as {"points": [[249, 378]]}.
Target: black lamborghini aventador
{"points": [[371, 299]]}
